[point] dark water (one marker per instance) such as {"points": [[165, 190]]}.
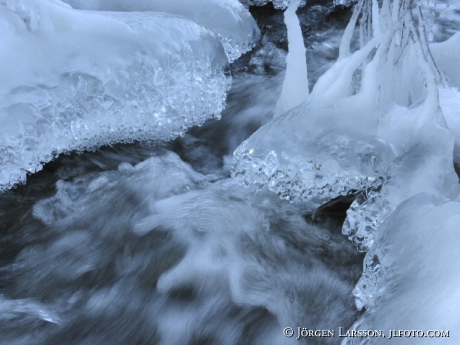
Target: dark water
{"points": [[153, 243]]}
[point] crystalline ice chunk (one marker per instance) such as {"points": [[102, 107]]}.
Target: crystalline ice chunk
{"points": [[75, 80]]}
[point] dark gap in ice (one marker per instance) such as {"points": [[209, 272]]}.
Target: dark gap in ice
{"points": [[334, 210]]}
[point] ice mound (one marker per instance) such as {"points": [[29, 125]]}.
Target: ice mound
{"points": [[75, 80], [414, 272], [325, 147], [426, 167], [302, 161], [228, 19], [361, 114]]}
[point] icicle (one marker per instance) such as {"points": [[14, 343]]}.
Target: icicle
{"points": [[375, 18], [431, 109], [295, 85], [344, 49]]}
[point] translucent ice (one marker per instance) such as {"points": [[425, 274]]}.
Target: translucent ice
{"points": [[410, 277], [227, 18], [295, 86], [74, 80], [340, 139], [427, 166]]}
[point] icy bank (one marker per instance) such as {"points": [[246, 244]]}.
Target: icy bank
{"points": [[228, 19], [75, 80]]}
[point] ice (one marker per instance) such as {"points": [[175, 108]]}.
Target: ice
{"points": [[427, 167], [227, 18], [295, 86], [382, 123], [415, 272], [342, 138], [445, 54], [99, 78]]}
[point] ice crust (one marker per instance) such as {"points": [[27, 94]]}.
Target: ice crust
{"points": [[310, 164], [75, 80], [228, 19], [406, 176]]}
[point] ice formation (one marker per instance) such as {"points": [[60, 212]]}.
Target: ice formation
{"points": [[227, 18], [295, 86], [341, 139], [98, 78], [383, 122], [410, 277]]}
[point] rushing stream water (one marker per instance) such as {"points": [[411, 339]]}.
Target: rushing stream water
{"points": [[177, 243]]}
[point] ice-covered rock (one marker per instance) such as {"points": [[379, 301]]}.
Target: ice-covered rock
{"points": [[75, 80], [227, 18], [307, 159]]}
